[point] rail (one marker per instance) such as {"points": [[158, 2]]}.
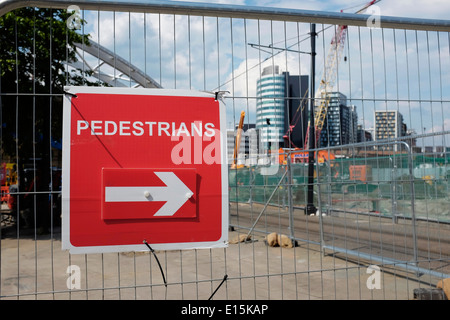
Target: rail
{"points": [[231, 11]]}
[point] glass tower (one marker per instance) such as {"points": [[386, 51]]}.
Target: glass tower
{"points": [[270, 107]]}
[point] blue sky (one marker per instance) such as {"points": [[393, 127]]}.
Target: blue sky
{"points": [[207, 54]]}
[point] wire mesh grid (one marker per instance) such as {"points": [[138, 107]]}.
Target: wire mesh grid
{"points": [[381, 193]]}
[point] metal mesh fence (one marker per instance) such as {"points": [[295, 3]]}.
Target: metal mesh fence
{"points": [[381, 185], [382, 224]]}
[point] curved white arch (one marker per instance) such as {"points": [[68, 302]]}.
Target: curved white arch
{"points": [[122, 70]]}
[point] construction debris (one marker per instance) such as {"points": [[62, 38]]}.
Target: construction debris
{"points": [[240, 238], [444, 285], [429, 294], [279, 240], [441, 292], [272, 240]]}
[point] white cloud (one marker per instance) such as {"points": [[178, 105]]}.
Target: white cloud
{"points": [[429, 9]]}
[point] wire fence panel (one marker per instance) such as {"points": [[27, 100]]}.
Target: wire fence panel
{"points": [[379, 180]]}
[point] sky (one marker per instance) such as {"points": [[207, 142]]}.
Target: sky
{"points": [[211, 54]]}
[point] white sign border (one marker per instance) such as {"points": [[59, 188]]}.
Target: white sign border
{"points": [[71, 91]]}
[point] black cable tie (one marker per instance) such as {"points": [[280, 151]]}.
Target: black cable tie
{"points": [[73, 95], [224, 279], [217, 94], [157, 260]]}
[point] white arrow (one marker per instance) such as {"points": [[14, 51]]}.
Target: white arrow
{"points": [[175, 194]]}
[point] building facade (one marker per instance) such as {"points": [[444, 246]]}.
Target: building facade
{"points": [[340, 126], [296, 122], [281, 109], [270, 108], [248, 149], [389, 125], [363, 135]]}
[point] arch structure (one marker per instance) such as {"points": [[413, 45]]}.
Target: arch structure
{"points": [[111, 68]]}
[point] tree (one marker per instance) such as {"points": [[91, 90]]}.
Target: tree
{"points": [[35, 45]]}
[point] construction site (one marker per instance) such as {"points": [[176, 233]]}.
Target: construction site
{"points": [[335, 130]]}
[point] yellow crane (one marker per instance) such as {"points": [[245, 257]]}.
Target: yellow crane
{"points": [[237, 144]]}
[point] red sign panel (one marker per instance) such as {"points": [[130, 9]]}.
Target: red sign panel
{"points": [[143, 165]]}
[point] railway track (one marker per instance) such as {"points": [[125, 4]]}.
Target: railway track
{"points": [[367, 235]]}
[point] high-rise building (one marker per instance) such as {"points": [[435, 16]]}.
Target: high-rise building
{"points": [[340, 126], [389, 125], [363, 135], [297, 106], [353, 124], [248, 149], [280, 105], [270, 107]]}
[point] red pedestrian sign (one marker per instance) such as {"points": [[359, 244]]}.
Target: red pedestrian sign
{"points": [[143, 165]]}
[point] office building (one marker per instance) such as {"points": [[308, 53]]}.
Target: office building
{"points": [[270, 107], [340, 126], [297, 106], [389, 125], [248, 149], [363, 135], [353, 124], [280, 106]]}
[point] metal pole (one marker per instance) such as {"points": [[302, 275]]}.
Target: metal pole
{"points": [[310, 208], [234, 11], [290, 200]]}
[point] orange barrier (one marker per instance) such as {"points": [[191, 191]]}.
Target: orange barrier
{"points": [[5, 193]]}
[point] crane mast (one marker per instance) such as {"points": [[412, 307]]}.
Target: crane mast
{"points": [[328, 80]]}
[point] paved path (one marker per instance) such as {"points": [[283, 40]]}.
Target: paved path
{"points": [[255, 271]]}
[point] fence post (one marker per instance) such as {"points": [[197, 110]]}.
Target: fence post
{"points": [[413, 210], [394, 190], [290, 200], [250, 182], [319, 205]]}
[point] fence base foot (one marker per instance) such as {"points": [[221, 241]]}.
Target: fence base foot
{"points": [[310, 209], [429, 294]]}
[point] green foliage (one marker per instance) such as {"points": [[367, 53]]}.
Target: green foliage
{"points": [[35, 48]]}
